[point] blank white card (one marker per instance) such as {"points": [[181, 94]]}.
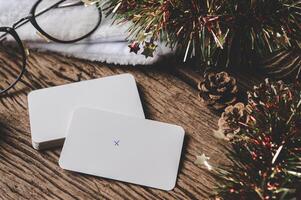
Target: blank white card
{"points": [[123, 148]]}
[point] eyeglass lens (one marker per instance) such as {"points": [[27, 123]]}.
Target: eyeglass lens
{"points": [[69, 21]]}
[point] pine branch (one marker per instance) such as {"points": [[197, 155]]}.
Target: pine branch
{"points": [[214, 29], [266, 152]]}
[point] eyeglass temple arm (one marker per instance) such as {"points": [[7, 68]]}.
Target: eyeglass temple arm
{"points": [[25, 20]]}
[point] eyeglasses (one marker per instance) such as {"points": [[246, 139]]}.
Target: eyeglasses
{"points": [[47, 17]]}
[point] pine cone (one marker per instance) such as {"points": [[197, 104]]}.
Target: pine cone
{"points": [[269, 94], [276, 97], [233, 118], [218, 90]]}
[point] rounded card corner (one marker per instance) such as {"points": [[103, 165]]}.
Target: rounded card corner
{"points": [[61, 163], [130, 76], [36, 146], [171, 187], [30, 94], [181, 130]]}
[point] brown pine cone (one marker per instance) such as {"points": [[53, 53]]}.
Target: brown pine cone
{"points": [[231, 121], [218, 90], [233, 118]]}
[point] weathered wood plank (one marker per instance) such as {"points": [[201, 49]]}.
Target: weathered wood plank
{"points": [[29, 174]]}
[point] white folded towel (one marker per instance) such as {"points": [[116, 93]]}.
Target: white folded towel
{"points": [[107, 44]]}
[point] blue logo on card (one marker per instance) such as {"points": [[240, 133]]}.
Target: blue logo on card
{"points": [[116, 142]]}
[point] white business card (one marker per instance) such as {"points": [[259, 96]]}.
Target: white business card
{"points": [[123, 148]]}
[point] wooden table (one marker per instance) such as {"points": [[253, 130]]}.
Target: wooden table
{"points": [[166, 95]]}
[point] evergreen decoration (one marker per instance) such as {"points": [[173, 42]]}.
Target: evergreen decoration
{"points": [[218, 90], [266, 151], [284, 64], [217, 32]]}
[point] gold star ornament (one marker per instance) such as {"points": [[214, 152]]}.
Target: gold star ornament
{"points": [[149, 49]]}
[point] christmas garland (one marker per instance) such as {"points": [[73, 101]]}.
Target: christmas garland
{"points": [[215, 31], [265, 138]]}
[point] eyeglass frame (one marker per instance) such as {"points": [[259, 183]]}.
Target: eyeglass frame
{"points": [[32, 19]]}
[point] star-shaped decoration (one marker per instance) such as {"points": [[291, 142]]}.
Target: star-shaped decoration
{"points": [[203, 161], [149, 49], [134, 47]]}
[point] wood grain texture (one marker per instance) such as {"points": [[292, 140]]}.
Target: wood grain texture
{"points": [[28, 174]]}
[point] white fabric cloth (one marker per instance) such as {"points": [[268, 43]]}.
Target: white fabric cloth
{"points": [[108, 44]]}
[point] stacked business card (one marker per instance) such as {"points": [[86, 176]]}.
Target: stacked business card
{"points": [[103, 130]]}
